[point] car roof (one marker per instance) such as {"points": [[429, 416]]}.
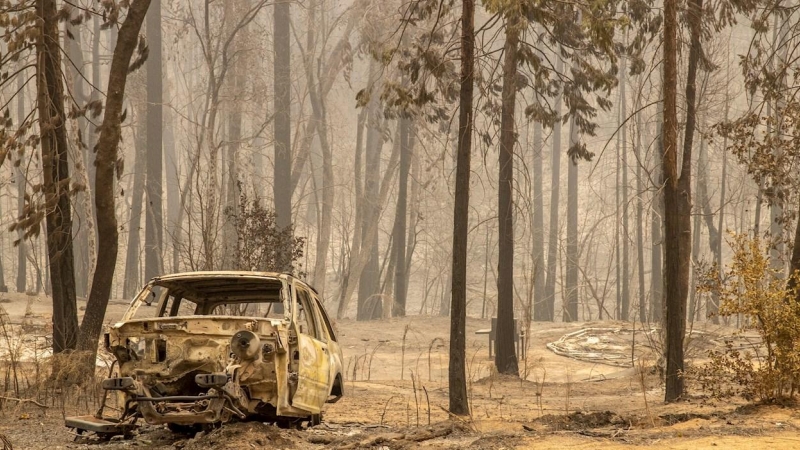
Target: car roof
{"points": [[289, 278]]}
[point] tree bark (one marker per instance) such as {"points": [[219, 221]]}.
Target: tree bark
{"points": [[505, 357], [678, 190], [625, 305], [283, 116], [639, 219], [369, 280], [539, 305], [355, 247], [570, 313], [58, 218], [154, 222], [656, 223], [173, 184], [108, 239], [22, 184], [317, 97], [552, 247], [74, 69], [133, 274], [399, 229], [457, 374]]}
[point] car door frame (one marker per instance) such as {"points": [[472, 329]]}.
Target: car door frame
{"points": [[313, 366]]}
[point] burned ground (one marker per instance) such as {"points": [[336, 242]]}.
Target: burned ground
{"points": [[396, 396]]}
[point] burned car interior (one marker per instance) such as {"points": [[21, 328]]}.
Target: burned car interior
{"points": [[204, 348]]}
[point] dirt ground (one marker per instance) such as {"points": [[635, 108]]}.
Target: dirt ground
{"points": [[396, 397]]}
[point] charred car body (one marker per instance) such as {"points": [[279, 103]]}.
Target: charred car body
{"points": [[206, 347]]}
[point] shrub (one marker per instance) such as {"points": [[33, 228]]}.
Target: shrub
{"points": [[750, 287]]}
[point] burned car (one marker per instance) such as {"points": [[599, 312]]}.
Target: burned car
{"points": [[210, 347]]}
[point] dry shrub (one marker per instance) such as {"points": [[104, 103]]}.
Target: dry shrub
{"points": [[31, 375], [750, 287]]}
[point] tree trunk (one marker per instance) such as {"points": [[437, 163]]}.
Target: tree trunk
{"points": [[777, 253], [457, 373], [154, 230], [570, 313], [173, 183], [105, 192], [552, 247], [317, 97], [677, 190], [539, 304], [133, 274], [283, 115], [505, 357], [355, 248], [639, 220], [794, 263], [58, 219], [722, 193], [411, 239], [399, 229], [369, 280], [714, 235], [656, 222], [81, 232], [3, 287], [22, 183], [625, 306], [692, 312], [91, 134]]}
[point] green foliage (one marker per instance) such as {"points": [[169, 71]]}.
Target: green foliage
{"points": [[260, 244], [750, 287]]}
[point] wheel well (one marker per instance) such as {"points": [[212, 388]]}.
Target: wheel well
{"points": [[338, 386]]}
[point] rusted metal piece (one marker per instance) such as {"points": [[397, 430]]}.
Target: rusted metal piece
{"points": [[266, 334]]}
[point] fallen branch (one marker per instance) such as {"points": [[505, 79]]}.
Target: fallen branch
{"points": [[24, 400]]}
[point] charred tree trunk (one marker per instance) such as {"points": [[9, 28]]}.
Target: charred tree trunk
{"points": [[639, 220], [678, 190], [154, 229], [571, 307], [625, 305], [173, 185], [656, 223], [108, 239], [399, 229], [80, 235], [58, 218], [505, 357], [22, 183], [539, 304], [320, 117], [369, 280], [714, 235], [355, 248], [282, 192], [552, 247], [457, 373], [133, 273]]}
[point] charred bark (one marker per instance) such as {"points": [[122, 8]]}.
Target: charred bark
{"points": [[282, 193], [55, 165], [457, 374], [107, 164], [505, 357], [154, 222]]}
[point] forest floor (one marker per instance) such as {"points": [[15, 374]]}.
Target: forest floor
{"points": [[396, 396]]}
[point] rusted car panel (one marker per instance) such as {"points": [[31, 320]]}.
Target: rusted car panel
{"points": [[206, 347]]}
